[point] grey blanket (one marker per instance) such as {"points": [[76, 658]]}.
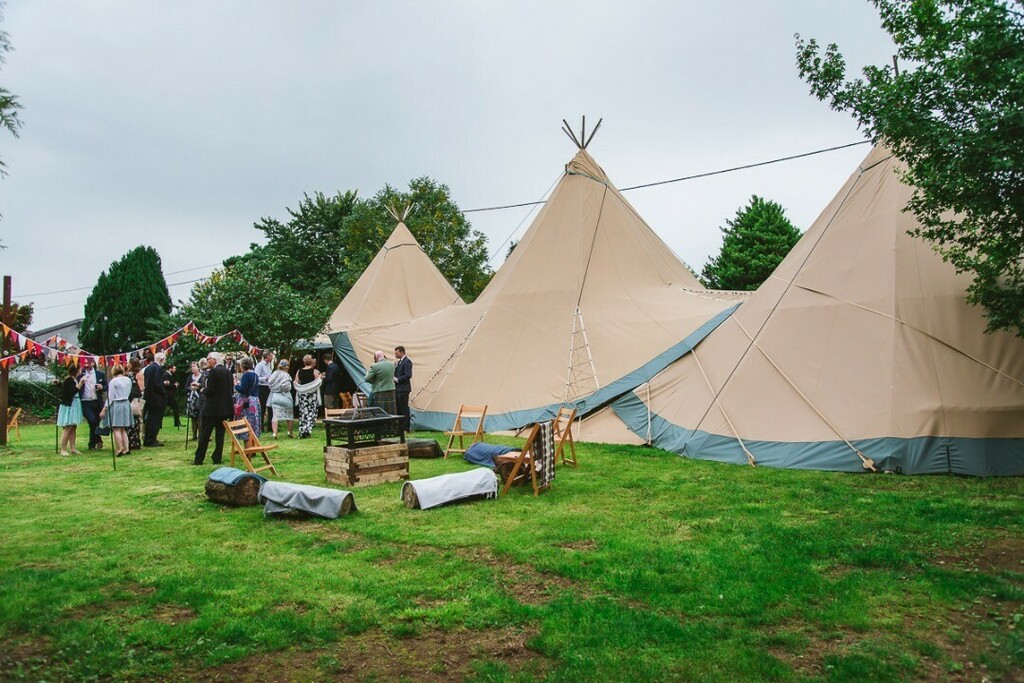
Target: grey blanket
{"points": [[279, 496], [232, 475], [449, 488]]}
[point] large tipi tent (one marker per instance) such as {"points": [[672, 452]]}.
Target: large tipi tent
{"points": [[400, 284], [588, 305], [858, 353]]}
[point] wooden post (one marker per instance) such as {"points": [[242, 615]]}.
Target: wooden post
{"points": [[4, 372]]}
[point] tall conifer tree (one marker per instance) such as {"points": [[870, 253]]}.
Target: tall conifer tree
{"points": [[123, 300], [755, 242]]}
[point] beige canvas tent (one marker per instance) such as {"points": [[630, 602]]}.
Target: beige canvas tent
{"points": [[590, 301], [400, 284], [858, 353]]}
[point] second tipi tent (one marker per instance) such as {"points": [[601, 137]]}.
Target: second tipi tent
{"points": [[589, 303]]}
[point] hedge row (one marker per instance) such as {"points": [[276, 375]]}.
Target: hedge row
{"points": [[39, 399]]}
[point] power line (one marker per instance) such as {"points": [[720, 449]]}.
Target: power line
{"points": [[695, 176], [692, 177], [744, 167], [79, 289], [72, 303]]}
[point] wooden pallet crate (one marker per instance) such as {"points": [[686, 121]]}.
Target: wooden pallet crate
{"points": [[366, 466]]}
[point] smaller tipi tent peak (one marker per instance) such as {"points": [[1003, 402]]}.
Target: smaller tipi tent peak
{"points": [[582, 140], [399, 216], [401, 236]]}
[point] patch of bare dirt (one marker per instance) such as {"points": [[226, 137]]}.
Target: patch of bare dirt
{"points": [[328, 533], [998, 554], [182, 495], [434, 657], [527, 585], [136, 588], [961, 639], [20, 657], [173, 614], [297, 607], [582, 546], [94, 610], [116, 598]]}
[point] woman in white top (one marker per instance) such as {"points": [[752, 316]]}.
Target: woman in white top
{"points": [[281, 405], [118, 408]]}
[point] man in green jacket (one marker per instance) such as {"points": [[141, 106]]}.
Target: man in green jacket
{"points": [[381, 377]]}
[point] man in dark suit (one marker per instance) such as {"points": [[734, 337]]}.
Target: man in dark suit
{"points": [[155, 395], [217, 407], [403, 384], [332, 381], [94, 383]]}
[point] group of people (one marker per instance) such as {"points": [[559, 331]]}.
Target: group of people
{"points": [[131, 406], [133, 403], [391, 383], [216, 395]]}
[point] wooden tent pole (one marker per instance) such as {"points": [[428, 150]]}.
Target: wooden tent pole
{"points": [[5, 372], [592, 133]]}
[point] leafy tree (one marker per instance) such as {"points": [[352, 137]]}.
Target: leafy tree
{"points": [[21, 316], [307, 251], [268, 313], [956, 119], [9, 105], [436, 222], [754, 243], [122, 302]]}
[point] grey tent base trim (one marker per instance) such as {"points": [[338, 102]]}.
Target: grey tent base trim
{"points": [[345, 352], [438, 421], [918, 455]]}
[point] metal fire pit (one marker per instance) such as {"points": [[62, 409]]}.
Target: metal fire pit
{"points": [[362, 427]]}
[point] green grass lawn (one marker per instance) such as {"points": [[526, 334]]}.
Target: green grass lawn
{"points": [[640, 565]]}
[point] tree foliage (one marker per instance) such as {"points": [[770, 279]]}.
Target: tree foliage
{"points": [[753, 244], [283, 291], [307, 251], [269, 313], [956, 119], [9, 104], [436, 222], [122, 302], [21, 316]]}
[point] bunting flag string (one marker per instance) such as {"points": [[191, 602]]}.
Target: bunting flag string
{"points": [[64, 352]]}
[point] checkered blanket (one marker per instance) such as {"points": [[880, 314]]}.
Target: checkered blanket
{"points": [[544, 454]]}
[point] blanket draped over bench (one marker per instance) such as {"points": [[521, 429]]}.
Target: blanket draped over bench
{"points": [[280, 496], [449, 488], [483, 454]]}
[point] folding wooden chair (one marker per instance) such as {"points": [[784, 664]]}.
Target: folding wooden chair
{"points": [[534, 463], [477, 413], [335, 413], [14, 421], [562, 426], [248, 447]]}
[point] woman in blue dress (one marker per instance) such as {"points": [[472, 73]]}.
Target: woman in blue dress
{"points": [[69, 415], [247, 404]]}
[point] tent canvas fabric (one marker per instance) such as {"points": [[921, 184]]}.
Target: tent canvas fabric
{"points": [[858, 353], [401, 283], [588, 298]]}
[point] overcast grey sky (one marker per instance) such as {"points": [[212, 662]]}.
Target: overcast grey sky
{"points": [[179, 124]]}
